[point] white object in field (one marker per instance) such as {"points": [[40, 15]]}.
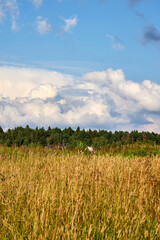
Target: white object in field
{"points": [[90, 149]]}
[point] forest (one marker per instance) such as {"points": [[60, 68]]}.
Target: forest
{"points": [[79, 138]]}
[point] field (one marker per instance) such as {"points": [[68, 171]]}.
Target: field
{"points": [[53, 194]]}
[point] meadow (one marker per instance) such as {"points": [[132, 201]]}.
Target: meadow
{"points": [[64, 194]]}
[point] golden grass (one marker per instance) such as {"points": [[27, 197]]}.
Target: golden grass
{"points": [[46, 194]]}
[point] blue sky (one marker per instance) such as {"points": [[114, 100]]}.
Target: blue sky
{"points": [[55, 48]]}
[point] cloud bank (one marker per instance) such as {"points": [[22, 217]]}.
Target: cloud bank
{"points": [[101, 100]]}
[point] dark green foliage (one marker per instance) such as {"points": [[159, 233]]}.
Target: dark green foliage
{"points": [[80, 138]]}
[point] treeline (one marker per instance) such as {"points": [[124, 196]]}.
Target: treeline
{"points": [[74, 138]]}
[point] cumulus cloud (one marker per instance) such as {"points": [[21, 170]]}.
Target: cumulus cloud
{"points": [[43, 27], [144, 96], [70, 23], [26, 79], [116, 42], [151, 34], [43, 92], [101, 99]]}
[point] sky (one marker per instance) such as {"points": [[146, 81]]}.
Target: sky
{"points": [[87, 63]]}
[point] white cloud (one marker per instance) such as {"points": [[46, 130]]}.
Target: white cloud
{"points": [[38, 3], [145, 96], [118, 46], [2, 14], [103, 99], [43, 27], [70, 23], [9, 7], [43, 92], [14, 26], [153, 127], [105, 76], [23, 80]]}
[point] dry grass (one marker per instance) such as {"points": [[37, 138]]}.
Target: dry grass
{"points": [[46, 194]]}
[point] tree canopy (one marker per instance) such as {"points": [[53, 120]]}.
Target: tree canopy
{"points": [[75, 138]]}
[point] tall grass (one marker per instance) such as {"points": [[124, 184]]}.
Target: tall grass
{"points": [[46, 194]]}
